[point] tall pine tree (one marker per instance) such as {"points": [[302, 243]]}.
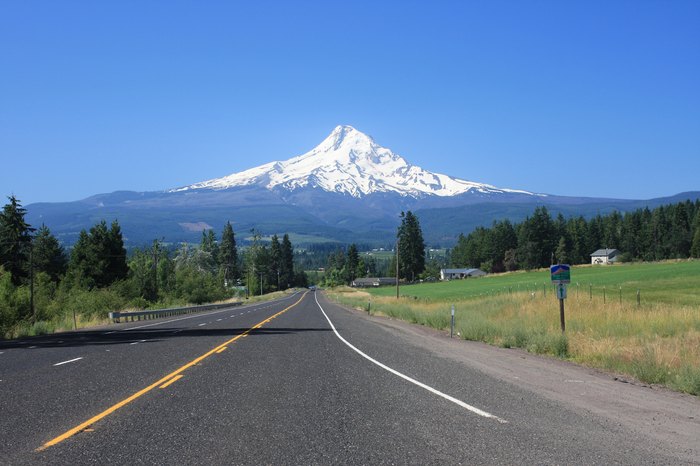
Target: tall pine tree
{"points": [[98, 258], [228, 254], [274, 271], [48, 255], [411, 247], [15, 240], [352, 264], [287, 277]]}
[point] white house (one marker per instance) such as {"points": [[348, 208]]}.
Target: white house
{"points": [[458, 274], [605, 256]]}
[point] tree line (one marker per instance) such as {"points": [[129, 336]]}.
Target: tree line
{"points": [[665, 232], [344, 266], [41, 282]]}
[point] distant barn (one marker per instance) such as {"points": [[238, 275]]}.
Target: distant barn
{"points": [[458, 274], [605, 256]]}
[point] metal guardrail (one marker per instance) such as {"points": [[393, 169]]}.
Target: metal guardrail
{"points": [[155, 314]]}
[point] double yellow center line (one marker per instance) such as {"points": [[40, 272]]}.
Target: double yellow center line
{"points": [[162, 383]]}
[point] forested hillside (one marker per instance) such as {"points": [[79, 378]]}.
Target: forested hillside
{"points": [[666, 232], [42, 286]]}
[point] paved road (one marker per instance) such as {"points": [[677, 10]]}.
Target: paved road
{"points": [[294, 381]]}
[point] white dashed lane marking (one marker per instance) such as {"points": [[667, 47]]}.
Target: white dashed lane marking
{"points": [[66, 362]]}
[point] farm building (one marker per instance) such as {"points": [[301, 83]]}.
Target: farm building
{"points": [[458, 274], [375, 281], [605, 256]]}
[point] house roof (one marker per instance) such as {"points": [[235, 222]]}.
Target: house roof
{"points": [[605, 252], [373, 280], [464, 271]]}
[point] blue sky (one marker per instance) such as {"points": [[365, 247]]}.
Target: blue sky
{"points": [[590, 98]]}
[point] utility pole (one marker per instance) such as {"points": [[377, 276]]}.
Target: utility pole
{"points": [[155, 265], [397, 268], [31, 280]]}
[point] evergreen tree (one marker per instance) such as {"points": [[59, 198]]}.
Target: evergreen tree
{"points": [[208, 252], [695, 246], [15, 240], [275, 268], [117, 268], [680, 239], [81, 263], [562, 256], [352, 264], [287, 277], [228, 253], [503, 239], [48, 255], [537, 240], [411, 247], [98, 258]]}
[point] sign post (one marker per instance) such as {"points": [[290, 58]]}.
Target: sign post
{"points": [[452, 324], [561, 276]]}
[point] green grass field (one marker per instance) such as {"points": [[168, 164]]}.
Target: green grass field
{"points": [[656, 341], [676, 283]]}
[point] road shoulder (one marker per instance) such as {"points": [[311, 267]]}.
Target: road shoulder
{"points": [[667, 418]]}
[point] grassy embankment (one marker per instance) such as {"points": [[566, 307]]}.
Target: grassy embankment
{"points": [[657, 341]]}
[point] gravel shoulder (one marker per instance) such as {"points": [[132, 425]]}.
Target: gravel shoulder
{"points": [[668, 420]]}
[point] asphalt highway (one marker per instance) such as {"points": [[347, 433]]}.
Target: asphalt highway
{"points": [[293, 381]]}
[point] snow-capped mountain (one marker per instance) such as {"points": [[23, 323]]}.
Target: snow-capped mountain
{"points": [[350, 162], [347, 189]]}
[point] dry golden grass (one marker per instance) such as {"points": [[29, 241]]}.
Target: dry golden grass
{"points": [[656, 343]]}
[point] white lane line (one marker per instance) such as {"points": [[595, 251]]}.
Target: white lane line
{"points": [[218, 320], [454, 400], [200, 325], [69, 361], [137, 342], [2, 352], [109, 333]]}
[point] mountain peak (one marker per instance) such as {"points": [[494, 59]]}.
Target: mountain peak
{"points": [[344, 135], [350, 162]]}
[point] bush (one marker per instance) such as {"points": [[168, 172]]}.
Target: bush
{"points": [[546, 343], [648, 369], [688, 380]]}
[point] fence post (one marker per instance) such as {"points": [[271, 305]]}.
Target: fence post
{"points": [[590, 291], [603, 294], [620, 294]]}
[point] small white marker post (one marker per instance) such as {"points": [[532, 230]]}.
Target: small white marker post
{"points": [[452, 325]]}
